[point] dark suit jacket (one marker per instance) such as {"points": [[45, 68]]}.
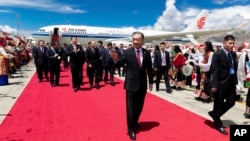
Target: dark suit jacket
{"points": [[39, 56], [53, 62], [76, 59], [158, 60], [220, 70], [92, 57], [107, 60], [136, 76]]}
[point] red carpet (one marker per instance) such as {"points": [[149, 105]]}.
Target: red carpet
{"points": [[43, 113]]}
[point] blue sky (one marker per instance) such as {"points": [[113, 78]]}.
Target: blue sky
{"points": [[29, 15]]}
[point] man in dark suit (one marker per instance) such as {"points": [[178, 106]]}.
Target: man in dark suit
{"points": [[108, 64], [139, 66], [122, 66], [223, 81], [77, 58], [41, 61], [100, 62], [161, 66], [64, 56], [93, 57], [54, 57]]}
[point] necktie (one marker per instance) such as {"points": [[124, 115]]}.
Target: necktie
{"points": [[138, 58], [163, 56], [41, 49], [53, 50], [230, 58]]}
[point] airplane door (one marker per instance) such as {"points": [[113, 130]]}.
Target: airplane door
{"points": [[56, 31], [55, 36]]}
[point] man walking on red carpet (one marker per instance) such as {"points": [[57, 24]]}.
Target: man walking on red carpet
{"points": [[139, 66], [224, 80]]}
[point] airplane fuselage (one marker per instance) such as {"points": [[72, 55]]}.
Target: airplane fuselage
{"points": [[86, 34]]}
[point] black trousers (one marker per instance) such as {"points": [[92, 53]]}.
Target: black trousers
{"points": [[162, 72], [42, 69], [93, 74], [54, 74], [65, 63], [134, 106], [111, 71], [224, 99], [76, 76]]}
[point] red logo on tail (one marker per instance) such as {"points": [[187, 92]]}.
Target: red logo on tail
{"points": [[201, 22]]}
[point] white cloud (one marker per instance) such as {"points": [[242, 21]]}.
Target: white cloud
{"points": [[5, 11], [8, 29], [173, 19], [45, 5], [219, 1]]}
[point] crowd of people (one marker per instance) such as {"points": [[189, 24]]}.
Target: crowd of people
{"points": [[216, 74], [14, 53]]}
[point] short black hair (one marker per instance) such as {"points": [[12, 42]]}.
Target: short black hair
{"points": [[228, 37], [162, 43], [138, 32], [100, 42], [73, 37]]}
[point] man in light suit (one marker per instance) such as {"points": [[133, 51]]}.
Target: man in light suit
{"points": [[223, 81], [161, 66], [139, 67]]}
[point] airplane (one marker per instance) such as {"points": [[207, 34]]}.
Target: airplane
{"points": [[84, 34]]}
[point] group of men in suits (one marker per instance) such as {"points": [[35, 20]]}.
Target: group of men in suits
{"points": [[139, 73], [47, 60]]}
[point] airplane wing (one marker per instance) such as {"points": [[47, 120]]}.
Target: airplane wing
{"points": [[195, 34]]}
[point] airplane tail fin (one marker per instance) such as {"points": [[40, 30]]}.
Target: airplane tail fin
{"points": [[199, 21]]}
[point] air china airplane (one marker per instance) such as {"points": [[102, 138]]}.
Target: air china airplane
{"points": [[63, 33]]}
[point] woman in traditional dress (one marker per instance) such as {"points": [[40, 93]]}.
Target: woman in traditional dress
{"points": [[204, 64], [178, 62], [247, 112]]}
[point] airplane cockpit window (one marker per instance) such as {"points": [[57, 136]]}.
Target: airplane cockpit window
{"points": [[42, 30]]}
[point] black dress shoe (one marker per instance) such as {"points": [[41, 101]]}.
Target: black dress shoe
{"points": [[75, 89], [215, 118], [169, 91], [208, 100], [199, 98], [132, 135], [52, 85], [222, 131], [173, 87]]}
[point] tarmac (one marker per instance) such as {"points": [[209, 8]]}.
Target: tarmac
{"points": [[183, 98]]}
